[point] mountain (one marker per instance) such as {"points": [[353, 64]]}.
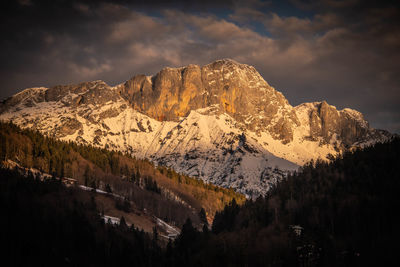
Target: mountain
{"points": [[221, 122]]}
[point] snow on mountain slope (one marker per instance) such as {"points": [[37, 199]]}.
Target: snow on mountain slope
{"points": [[213, 147], [221, 122]]}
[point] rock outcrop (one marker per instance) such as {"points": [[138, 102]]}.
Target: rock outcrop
{"points": [[343, 128], [237, 89], [95, 93]]}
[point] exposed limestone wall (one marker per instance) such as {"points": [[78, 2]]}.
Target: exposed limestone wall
{"points": [[238, 89], [327, 122]]}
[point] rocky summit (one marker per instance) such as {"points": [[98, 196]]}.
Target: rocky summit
{"points": [[237, 89], [221, 122]]}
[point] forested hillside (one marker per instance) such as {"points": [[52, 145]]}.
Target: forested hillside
{"points": [[342, 213], [43, 223], [160, 191]]}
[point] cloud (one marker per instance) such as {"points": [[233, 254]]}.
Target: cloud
{"points": [[83, 8], [136, 26], [328, 55], [324, 4], [25, 2], [89, 71]]}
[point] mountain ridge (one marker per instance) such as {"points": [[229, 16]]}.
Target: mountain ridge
{"points": [[221, 122]]}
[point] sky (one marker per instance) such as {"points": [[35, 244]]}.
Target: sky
{"points": [[346, 52]]}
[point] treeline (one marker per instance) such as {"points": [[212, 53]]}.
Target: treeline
{"points": [[343, 213], [47, 224], [116, 172]]}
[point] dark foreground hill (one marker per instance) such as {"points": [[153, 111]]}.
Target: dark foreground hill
{"points": [[43, 223]]}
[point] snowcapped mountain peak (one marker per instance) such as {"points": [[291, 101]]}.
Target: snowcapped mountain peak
{"points": [[221, 122], [238, 90]]}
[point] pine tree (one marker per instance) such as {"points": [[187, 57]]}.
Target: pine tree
{"points": [[86, 175], [122, 223], [155, 235], [203, 216], [108, 188]]}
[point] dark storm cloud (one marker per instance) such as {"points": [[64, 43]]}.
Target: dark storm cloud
{"points": [[353, 56], [343, 51]]}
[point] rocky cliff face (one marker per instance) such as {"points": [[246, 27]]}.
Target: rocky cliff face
{"points": [[344, 127], [94, 93], [221, 122], [237, 89]]}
